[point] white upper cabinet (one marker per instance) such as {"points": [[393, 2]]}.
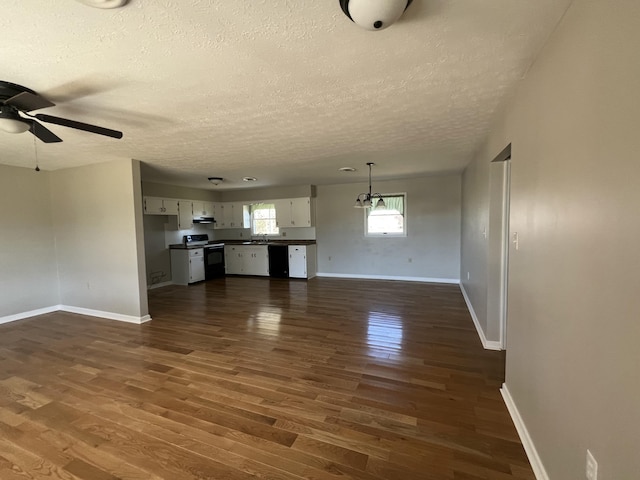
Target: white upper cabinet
{"points": [[301, 212], [185, 215], [209, 209], [290, 212], [232, 215], [203, 209], [160, 206], [294, 212]]}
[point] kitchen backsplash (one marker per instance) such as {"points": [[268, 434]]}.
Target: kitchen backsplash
{"points": [[173, 236]]}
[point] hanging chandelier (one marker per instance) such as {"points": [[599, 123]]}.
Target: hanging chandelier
{"points": [[365, 200]]}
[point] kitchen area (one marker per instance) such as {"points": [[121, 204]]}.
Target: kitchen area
{"points": [[190, 240]]}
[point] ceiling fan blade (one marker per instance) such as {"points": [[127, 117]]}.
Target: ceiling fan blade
{"points": [[79, 125], [42, 132], [26, 102]]}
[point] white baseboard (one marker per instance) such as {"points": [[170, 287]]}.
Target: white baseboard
{"points": [[487, 344], [31, 313], [108, 315], [389, 277], [83, 311], [525, 438], [159, 285]]}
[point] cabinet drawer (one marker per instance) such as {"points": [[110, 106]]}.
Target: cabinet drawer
{"points": [[196, 252]]}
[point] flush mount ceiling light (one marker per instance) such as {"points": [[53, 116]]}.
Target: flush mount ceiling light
{"points": [[347, 169], [249, 179], [374, 14], [216, 180], [105, 4], [364, 199]]}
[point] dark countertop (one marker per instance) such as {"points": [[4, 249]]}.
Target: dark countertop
{"points": [[182, 246]]}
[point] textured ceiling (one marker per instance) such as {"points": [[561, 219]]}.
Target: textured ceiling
{"points": [[286, 91]]}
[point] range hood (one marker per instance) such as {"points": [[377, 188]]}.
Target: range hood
{"points": [[204, 220]]}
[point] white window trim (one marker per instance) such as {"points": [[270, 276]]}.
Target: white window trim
{"points": [[388, 235]]}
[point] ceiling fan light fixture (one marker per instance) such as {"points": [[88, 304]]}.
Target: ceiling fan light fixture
{"points": [[215, 180], [11, 125], [374, 14], [104, 4]]}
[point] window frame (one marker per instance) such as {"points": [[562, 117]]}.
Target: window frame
{"points": [[367, 211], [252, 220]]}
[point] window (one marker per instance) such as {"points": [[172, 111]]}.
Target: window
{"points": [[263, 219], [389, 221]]}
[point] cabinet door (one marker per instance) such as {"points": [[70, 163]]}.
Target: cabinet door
{"points": [[216, 212], [297, 261], [196, 268], [255, 260], [170, 206], [208, 209], [283, 213], [233, 260], [198, 208], [185, 215], [227, 215], [301, 212], [153, 206]]}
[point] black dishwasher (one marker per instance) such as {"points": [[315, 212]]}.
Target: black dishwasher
{"points": [[279, 261]]}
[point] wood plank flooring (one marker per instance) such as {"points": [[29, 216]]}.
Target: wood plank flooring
{"points": [[242, 378]]}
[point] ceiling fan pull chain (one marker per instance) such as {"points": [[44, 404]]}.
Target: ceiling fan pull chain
{"points": [[35, 148]]}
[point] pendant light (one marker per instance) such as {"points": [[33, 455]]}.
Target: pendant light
{"points": [[374, 14], [365, 200]]}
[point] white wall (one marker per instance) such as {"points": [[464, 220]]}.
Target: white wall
{"points": [[98, 237], [573, 315], [431, 249], [28, 273]]}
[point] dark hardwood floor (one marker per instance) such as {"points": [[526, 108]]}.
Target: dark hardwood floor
{"points": [[259, 378]]}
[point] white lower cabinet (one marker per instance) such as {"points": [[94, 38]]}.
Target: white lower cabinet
{"points": [[233, 259], [246, 260], [187, 266], [255, 260], [302, 261]]}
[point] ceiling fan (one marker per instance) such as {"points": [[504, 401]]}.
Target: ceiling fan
{"points": [[16, 101]]}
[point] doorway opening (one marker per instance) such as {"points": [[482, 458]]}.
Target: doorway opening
{"points": [[499, 207]]}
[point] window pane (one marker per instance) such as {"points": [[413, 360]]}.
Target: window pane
{"points": [[263, 219], [389, 220]]}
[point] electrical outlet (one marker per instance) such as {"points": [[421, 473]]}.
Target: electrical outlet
{"points": [[592, 467], [516, 241]]}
